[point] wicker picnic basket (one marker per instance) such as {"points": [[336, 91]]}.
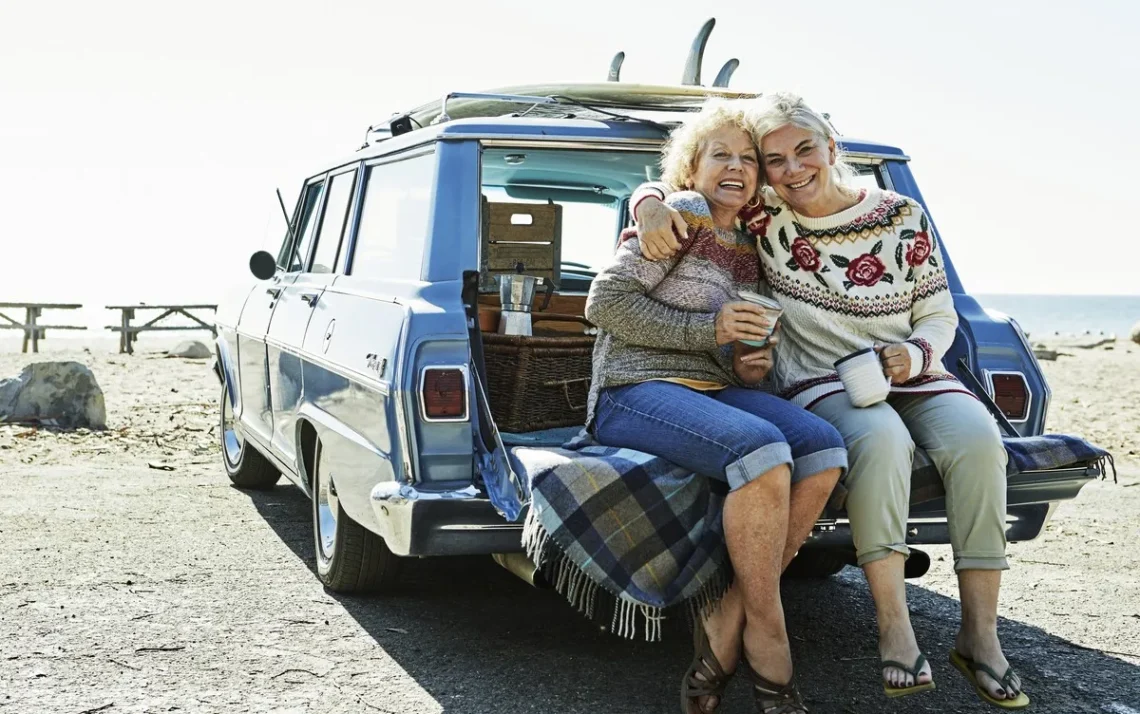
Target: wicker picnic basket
{"points": [[537, 383]]}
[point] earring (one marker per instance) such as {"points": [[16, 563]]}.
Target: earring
{"points": [[753, 202]]}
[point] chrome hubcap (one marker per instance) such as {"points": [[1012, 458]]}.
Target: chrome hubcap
{"points": [[328, 508], [231, 440]]}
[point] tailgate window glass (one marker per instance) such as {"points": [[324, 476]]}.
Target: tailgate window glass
{"points": [[591, 187]]}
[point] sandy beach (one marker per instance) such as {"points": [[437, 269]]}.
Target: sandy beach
{"points": [[136, 579]]}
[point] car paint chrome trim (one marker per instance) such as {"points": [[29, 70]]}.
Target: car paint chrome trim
{"points": [[406, 434], [381, 386], [989, 377], [466, 394], [1047, 397], [392, 491], [872, 156], [483, 527], [316, 415], [532, 141]]}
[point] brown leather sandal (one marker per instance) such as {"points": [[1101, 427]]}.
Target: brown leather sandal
{"points": [[774, 698], [704, 663]]}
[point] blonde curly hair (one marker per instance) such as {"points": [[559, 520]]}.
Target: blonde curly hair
{"points": [[681, 149]]}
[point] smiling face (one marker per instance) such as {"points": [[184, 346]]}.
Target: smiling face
{"points": [[727, 169], [797, 163]]}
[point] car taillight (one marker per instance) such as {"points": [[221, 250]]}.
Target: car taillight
{"points": [[443, 393], [1011, 394]]}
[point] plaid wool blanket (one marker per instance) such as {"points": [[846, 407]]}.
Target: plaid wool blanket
{"points": [[626, 536]]}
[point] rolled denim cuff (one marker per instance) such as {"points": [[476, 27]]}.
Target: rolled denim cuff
{"points": [[815, 462], [757, 463]]}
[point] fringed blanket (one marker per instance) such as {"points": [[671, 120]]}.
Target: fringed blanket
{"points": [[625, 536]]}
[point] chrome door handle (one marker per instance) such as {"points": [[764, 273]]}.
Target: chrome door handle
{"points": [[275, 292], [310, 298]]}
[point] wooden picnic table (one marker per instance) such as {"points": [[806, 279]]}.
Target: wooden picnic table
{"points": [[33, 330], [129, 334]]}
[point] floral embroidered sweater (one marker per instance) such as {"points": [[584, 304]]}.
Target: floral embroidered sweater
{"points": [[872, 274]]}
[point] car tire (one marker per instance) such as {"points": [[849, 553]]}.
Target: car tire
{"points": [[245, 465], [350, 558], [816, 564]]}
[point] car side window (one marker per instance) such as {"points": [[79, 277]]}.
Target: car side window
{"points": [[304, 230], [866, 176], [394, 219], [332, 223]]}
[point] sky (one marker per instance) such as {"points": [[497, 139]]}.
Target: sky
{"points": [[141, 142]]}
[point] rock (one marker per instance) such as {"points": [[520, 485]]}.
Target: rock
{"points": [[191, 350], [1135, 336], [1044, 353], [55, 394]]}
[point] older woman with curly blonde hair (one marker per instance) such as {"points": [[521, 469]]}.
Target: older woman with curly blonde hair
{"points": [[674, 376]]}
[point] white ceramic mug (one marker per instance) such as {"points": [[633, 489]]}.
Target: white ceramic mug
{"points": [[772, 308], [862, 375]]}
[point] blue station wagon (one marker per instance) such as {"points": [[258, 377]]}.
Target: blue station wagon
{"points": [[364, 363]]}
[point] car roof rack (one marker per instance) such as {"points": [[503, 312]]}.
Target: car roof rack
{"points": [[589, 100]]}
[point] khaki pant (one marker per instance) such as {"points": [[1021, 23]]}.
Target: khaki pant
{"points": [[965, 445]]}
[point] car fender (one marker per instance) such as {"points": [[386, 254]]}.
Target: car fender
{"points": [[225, 367]]}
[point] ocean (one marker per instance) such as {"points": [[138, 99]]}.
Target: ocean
{"points": [[1045, 315], [1039, 315]]}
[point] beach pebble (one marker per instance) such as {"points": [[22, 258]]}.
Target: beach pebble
{"points": [[63, 394], [191, 349]]}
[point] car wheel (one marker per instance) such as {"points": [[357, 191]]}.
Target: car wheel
{"points": [[350, 558], [816, 564], [245, 465]]}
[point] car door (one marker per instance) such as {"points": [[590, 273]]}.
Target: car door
{"points": [[256, 413], [317, 266]]}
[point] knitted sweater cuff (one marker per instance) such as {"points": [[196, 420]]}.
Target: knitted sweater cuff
{"points": [[919, 359], [700, 333]]}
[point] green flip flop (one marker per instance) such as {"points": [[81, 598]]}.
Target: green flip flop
{"points": [[912, 671], [970, 668]]}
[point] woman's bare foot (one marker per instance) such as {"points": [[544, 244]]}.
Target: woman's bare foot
{"points": [[897, 642], [985, 648]]}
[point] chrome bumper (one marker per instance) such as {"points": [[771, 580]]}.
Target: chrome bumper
{"points": [[456, 522]]}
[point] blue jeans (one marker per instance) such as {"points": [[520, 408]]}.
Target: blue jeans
{"points": [[730, 434]]}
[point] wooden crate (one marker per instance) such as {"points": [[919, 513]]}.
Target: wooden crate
{"points": [[527, 233]]}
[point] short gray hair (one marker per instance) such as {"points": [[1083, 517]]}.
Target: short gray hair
{"points": [[775, 111], [679, 155]]}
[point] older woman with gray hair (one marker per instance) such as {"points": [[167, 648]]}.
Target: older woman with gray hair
{"points": [[674, 377], [854, 268]]}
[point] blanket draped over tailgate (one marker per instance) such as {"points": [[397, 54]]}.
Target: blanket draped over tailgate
{"points": [[625, 536]]}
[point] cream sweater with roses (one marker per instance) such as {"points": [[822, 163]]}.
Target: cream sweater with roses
{"points": [[872, 274]]}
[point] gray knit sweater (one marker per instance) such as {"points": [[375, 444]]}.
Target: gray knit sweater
{"points": [[657, 319]]}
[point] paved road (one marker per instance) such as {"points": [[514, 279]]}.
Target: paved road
{"points": [[158, 591]]}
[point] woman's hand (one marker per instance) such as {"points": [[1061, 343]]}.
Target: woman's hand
{"points": [[752, 364], [657, 228], [742, 321], [896, 362]]}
